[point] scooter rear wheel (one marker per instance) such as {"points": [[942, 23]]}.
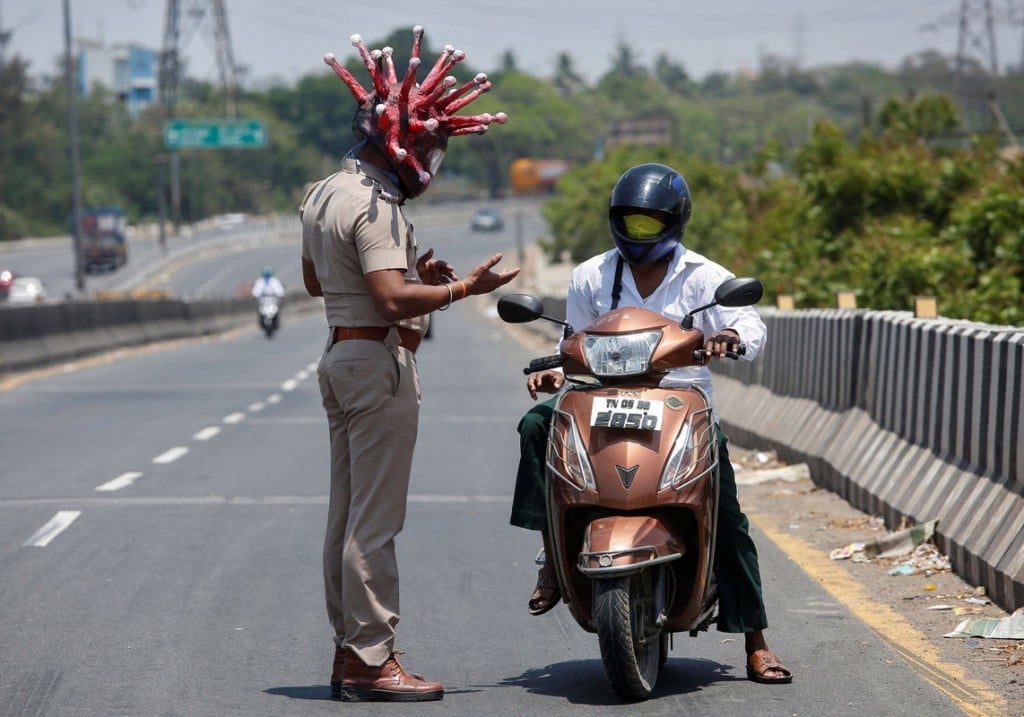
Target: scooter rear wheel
{"points": [[632, 651]]}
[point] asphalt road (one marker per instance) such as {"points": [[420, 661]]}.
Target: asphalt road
{"points": [[185, 489]]}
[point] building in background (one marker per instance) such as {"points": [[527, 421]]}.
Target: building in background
{"points": [[129, 71]]}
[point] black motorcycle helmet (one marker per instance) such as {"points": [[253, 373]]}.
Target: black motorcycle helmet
{"points": [[648, 212]]}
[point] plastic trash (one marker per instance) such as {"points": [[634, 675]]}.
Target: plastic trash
{"points": [[1010, 627]]}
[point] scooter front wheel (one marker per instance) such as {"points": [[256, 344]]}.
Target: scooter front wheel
{"points": [[632, 650]]}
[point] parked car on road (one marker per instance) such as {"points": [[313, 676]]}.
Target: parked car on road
{"points": [[486, 220], [26, 290]]}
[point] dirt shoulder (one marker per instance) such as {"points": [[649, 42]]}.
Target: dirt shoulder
{"points": [[912, 610]]}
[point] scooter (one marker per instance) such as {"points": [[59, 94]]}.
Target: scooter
{"points": [[269, 308], [632, 481]]}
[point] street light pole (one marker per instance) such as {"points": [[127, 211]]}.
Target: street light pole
{"points": [[76, 185]]}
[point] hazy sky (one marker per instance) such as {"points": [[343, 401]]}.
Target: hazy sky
{"points": [[287, 38]]}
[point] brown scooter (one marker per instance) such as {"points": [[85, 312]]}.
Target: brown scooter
{"points": [[632, 482]]}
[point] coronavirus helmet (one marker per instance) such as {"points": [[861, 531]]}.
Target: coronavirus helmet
{"points": [[648, 212], [410, 122]]}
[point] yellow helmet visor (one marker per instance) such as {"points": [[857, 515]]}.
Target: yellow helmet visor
{"points": [[641, 226]]}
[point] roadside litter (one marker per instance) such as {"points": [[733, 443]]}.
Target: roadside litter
{"points": [[789, 474], [925, 559], [912, 541], [1003, 628], [763, 466]]}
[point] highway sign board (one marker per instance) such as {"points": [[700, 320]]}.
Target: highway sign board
{"points": [[214, 134]]}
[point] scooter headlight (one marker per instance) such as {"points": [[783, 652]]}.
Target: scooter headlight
{"points": [[680, 462], [620, 355], [567, 457], [694, 446]]}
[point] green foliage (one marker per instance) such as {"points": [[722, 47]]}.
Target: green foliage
{"points": [[848, 177], [890, 217]]}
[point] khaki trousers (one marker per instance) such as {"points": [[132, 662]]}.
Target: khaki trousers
{"points": [[371, 395]]}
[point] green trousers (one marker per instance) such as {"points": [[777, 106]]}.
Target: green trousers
{"points": [[740, 600]]}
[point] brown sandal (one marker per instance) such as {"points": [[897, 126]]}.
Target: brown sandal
{"points": [[546, 594], [760, 665]]}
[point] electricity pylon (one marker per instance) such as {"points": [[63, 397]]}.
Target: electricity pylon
{"points": [[184, 18]]}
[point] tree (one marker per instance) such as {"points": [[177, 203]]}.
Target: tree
{"points": [[566, 80], [672, 74]]}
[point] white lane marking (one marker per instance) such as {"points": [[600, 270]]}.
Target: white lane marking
{"points": [[122, 481], [312, 367], [57, 525], [274, 398], [171, 455], [234, 418], [256, 407], [289, 385], [302, 375], [207, 433]]}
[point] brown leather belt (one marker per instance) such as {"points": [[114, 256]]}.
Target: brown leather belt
{"points": [[409, 338]]}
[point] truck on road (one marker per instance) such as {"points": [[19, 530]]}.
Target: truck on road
{"points": [[103, 239]]}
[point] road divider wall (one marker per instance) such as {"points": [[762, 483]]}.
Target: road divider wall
{"points": [[911, 419], [36, 336]]}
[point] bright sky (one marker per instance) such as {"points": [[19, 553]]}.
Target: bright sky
{"points": [[286, 39]]}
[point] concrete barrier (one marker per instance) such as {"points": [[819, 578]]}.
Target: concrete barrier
{"points": [[37, 336], [905, 418]]}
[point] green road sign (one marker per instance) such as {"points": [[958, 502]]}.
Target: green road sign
{"points": [[214, 134]]}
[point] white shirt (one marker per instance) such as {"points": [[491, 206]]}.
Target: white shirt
{"points": [[270, 286], [690, 283]]}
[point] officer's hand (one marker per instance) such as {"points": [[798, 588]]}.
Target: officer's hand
{"points": [[434, 271], [545, 382], [481, 280], [724, 341]]}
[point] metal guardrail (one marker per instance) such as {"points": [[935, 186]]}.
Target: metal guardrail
{"points": [[903, 417]]}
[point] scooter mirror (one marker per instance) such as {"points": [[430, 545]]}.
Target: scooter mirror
{"points": [[740, 291], [520, 308]]}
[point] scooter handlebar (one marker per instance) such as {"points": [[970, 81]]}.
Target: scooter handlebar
{"points": [[701, 354], [543, 364]]}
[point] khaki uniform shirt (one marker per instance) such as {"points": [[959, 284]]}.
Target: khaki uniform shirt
{"points": [[352, 225]]}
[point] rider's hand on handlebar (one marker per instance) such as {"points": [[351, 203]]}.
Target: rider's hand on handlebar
{"points": [[724, 342], [545, 382]]}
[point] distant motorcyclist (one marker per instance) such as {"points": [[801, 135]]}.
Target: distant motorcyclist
{"points": [[267, 284], [268, 291]]}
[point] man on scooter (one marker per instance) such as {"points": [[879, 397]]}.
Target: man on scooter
{"points": [[650, 268], [267, 284]]}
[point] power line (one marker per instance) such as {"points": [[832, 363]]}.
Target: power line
{"points": [[183, 19]]}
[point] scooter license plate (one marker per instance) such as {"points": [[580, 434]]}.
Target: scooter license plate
{"points": [[637, 413]]}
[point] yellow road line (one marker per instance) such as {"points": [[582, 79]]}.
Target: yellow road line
{"points": [[973, 697]]}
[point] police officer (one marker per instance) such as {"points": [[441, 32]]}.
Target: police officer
{"points": [[360, 254]]}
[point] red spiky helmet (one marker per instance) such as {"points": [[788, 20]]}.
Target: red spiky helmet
{"points": [[409, 122]]}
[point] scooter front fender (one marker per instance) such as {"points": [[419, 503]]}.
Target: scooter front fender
{"points": [[623, 544]]}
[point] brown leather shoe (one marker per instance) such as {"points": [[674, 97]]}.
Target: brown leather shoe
{"points": [[387, 683], [337, 672]]}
